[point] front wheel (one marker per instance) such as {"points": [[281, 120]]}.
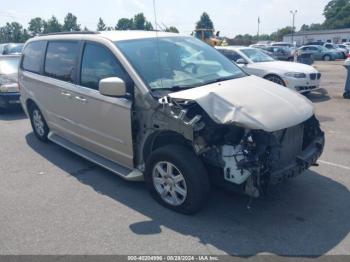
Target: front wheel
{"points": [[276, 79], [177, 179]]}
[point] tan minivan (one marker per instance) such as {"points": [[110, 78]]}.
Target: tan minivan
{"points": [[168, 109]]}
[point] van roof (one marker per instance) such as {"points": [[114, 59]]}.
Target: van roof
{"points": [[110, 35]]}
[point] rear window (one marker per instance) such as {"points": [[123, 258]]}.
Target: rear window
{"points": [[32, 56], [61, 59]]}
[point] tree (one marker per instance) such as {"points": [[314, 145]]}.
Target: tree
{"points": [[36, 26], [278, 35], [52, 26], [140, 23], [205, 22], [172, 29], [70, 23], [13, 32], [337, 14], [125, 24], [101, 26]]}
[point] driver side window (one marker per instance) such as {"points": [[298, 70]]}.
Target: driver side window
{"points": [[99, 63]]}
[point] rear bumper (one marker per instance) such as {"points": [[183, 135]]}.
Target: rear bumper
{"points": [[302, 162], [10, 100]]}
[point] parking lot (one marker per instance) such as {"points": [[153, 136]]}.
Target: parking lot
{"points": [[54, 202]]}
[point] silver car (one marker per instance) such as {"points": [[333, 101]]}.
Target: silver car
{"points": [[169, 109]]}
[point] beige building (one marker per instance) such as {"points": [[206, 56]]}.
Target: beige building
{"points": [[335, 36]]}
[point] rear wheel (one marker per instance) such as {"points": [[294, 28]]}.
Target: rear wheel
{"points": [[327, 58], [276, 79], [39, 125], [177, 179]]}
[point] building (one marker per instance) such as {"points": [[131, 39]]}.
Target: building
{"points": [[334, 36]]}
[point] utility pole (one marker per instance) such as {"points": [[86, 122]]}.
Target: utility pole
{"points": [[293, 23], [258, 27]]}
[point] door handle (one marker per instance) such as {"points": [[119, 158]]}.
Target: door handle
{"points": [[67, 94], [81, 99]]}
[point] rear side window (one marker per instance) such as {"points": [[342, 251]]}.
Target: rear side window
{"points": [[99, 63], [60, 60], [32, 56]]}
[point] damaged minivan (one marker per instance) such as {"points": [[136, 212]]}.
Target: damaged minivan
{"points": [[167, 109]]}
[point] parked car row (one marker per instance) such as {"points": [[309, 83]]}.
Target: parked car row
{"points": [[11, 48], [296, 76], [9, 93], [172, 110]]}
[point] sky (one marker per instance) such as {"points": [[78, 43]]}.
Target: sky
{"points": [[230, 17]]}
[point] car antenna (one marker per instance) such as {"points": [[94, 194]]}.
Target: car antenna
{"points": [[157, 37]]}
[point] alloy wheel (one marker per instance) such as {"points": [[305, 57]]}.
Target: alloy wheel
{"points": [[169, 183]]}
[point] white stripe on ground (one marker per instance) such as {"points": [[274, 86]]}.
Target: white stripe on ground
{"points": [[334, 164]]}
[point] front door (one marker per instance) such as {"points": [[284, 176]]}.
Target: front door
{"points": [[103, 123]]}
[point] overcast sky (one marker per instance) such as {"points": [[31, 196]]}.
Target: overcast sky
{"points": [[231, 17]]}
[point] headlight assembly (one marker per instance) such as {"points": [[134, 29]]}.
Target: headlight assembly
{"points": [[296, 75]]}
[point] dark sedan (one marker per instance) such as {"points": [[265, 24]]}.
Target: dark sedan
{"points": [[9, 92]]}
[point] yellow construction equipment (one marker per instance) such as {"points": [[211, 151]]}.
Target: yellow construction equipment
{"points": [[208, 36]]}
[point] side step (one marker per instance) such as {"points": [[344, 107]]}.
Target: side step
{"points": [[127, 174]]}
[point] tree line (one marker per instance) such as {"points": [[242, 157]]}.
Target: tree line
{"points": [[15, 32], [336, 13]]}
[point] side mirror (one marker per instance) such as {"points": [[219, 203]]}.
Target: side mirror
{"points": [[112, 86], [241, 61]]}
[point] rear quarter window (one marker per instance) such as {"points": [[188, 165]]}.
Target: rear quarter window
{"points": [[32, 56], [60, 60]]}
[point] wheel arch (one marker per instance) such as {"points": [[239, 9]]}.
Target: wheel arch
{"points": [[163, 138]]}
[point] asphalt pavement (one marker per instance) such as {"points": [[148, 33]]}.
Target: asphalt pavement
{"points": [[54, 202]]}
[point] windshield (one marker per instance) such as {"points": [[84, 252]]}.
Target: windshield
{"points": [[256, 55], [175, 63], [13, 49], [9, 66]]}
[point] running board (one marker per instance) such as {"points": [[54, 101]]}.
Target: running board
{"points": [[127, 174]]}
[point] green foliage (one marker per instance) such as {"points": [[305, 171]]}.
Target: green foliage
{"points": [[101, 26], [205, 22], [125, 24], [36, 26], [13, 32], [70, 23], [52, 26], [139, 22], [172, 29], [337, 13]]}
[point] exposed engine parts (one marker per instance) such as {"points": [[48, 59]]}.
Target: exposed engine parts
{"points": [[249, 160]]}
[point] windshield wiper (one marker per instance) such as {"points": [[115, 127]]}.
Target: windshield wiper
{"points": [[175, 88], [220, 79]]}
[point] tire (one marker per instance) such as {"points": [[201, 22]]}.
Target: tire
{"points": [[187, 179], [38, 122], [276, 79], [327, 58]]}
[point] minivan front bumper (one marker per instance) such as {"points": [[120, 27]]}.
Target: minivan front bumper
{"points": [[302, 162]]}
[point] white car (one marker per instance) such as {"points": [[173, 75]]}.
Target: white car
{"points": [[347, 61], [299, 77]]}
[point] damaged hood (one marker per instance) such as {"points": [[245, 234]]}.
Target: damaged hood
{"points": [[250, 102]]}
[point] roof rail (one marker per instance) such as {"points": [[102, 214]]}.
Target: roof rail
{"points": [[72, 33]]}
